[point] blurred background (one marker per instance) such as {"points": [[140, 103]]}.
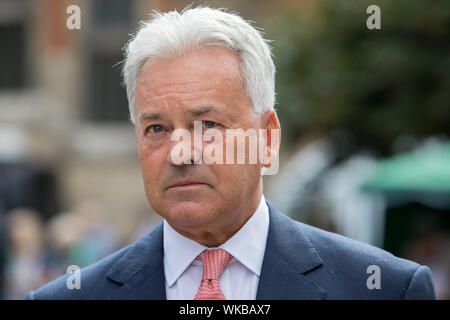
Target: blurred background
{"points": [[365, 117]]}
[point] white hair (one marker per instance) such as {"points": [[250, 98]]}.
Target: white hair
{"points": [[165, 35]]}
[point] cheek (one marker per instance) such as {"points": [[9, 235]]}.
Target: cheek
{"points": [[151, 162]]}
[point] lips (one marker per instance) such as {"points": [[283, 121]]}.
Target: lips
{"points": [[186, 183]]}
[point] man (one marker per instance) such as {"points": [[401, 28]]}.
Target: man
{"points": [[220, 239]]}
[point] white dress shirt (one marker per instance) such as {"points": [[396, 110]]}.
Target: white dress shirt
{"points": [[239, 280]]}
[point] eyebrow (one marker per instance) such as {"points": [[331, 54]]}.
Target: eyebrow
{"points": [[202, 110], [194, 113], [149, 116]]}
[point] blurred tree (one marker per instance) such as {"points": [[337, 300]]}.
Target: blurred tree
{"points": [[334, 73]]}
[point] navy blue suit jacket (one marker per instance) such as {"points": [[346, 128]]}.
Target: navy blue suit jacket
{"points": [[300, 262]]}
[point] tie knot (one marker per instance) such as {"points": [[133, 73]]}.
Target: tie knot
{"points": [[214, 261]]}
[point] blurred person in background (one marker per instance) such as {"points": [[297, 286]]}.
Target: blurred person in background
{"points": [[79, 237], [63, 232], [25, 253], [201, 56], [97, 238]]}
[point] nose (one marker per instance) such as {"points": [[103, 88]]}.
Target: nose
{"points": [[185, 148]]}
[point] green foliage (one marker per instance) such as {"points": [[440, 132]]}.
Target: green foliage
{"points": [[335, 73]]}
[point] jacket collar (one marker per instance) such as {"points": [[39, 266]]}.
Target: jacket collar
{"points": [[289, 257], [140, 270]]}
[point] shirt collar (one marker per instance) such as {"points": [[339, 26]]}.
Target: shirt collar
{"points": [[247, 245]]}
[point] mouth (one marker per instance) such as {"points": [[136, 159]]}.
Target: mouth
{"points": [[187, 185]]}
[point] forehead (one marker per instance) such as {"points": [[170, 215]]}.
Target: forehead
{"points": [[206, 72]]}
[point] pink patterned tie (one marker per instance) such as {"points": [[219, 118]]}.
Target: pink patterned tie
{"points": [[214, 261]]}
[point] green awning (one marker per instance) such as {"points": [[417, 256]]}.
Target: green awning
{"points": [[423, 170]]}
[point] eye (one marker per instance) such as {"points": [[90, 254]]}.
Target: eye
{"points": [[209, 124], [156, 128]]}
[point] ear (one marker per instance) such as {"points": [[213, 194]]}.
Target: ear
{"points": [[272, 137]]}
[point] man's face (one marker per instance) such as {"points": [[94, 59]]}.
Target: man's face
{"points": [[204, 85]]}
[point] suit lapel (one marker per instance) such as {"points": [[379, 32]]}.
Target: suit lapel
{"points": [[289, 256], [140, 271]]}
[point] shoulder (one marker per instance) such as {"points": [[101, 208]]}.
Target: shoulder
{"points": [[337, 250], [351, 263]]}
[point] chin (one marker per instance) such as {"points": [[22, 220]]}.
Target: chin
{"points": [[188, 213]]}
